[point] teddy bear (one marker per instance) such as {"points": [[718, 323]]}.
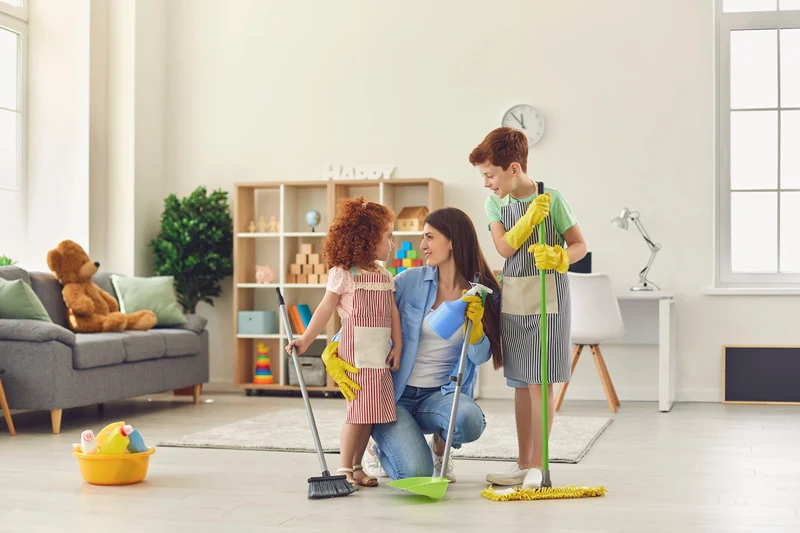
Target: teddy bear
{"points": [[90, 309]]}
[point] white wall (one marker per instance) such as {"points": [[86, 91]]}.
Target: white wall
{"points": [[275, 90]]}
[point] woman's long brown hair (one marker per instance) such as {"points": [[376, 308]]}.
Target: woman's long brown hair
{"points": [[457, 226]]}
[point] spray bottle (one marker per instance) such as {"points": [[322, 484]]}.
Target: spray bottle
{"points": [[88, 442], [450, 316], [136, 442], [117, 442]]}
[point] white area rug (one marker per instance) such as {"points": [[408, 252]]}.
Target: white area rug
{"points": [[287, 430]]}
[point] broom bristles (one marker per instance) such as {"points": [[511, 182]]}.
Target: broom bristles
{"points": [[552, 493], [329, 487]]}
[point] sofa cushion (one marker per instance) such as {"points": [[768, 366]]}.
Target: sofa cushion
{"points": [[156, 294], [142, 345], [180, 342], [35, 331], [196, 323], [97, 349], [48, 289], [18, 301]]}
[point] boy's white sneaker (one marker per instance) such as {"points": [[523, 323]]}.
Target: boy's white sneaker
{"points": [[437, 465], [372, 465], [513, 476]]}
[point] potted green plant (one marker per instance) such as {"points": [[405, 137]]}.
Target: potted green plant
{"points": [[6, 261], [195, 245]]}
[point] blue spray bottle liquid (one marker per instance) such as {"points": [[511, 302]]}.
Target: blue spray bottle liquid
{"points": [[136, 444], [450, 316]]}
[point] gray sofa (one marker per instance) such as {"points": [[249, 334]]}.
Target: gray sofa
{"points": [[48, 367]]}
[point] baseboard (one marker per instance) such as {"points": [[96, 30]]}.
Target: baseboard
{"points": [[642, 394]]}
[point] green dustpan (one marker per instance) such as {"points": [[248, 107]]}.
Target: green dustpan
{"points": [[435, 487], [432, 487]]}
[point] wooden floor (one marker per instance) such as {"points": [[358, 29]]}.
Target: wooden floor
{"points": [[701, 467]]}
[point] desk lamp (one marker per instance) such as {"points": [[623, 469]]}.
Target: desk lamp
{"points": [[622, 222]]}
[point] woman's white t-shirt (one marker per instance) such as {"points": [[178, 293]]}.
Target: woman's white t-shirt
{"points": [[436, 357]]}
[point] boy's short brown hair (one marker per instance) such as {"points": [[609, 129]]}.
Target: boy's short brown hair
{"points": [[502, 147]]}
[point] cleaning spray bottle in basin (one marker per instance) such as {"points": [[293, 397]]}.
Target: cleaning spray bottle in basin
{"points": [[450, 316], [117, 442]]}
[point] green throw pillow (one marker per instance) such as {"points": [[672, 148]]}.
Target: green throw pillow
{"points": [[156, 294], [17, 300]]}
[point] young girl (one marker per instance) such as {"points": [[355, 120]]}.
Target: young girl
{"points": [[514, 211], [362, 293]]}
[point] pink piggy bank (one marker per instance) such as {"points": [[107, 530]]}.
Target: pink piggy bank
{"points": [[264, 274]]}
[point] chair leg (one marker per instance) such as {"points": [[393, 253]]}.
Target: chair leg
{"points": [[606, 381], [562, 390], [6, 411], [55, 420], [608, 377]]}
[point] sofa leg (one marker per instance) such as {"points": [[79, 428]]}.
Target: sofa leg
{"points": [[55, 420], [6, 411], [196, 393]]}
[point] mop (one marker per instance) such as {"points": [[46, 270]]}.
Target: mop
{"points": [[449, 318], [326, 485], [547, 491]]}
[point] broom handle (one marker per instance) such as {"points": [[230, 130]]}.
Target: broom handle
{"points": [[311, 422], [462, 362], [543, 342]]}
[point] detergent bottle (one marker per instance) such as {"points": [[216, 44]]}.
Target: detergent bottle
{"points": [[88, 442], [136, 444], [117, 442], [450, 316], [106, 432]]}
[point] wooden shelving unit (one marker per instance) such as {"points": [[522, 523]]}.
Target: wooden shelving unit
{"points": [[289, 202]]}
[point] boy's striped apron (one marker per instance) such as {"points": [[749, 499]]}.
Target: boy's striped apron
{"points": [[520, 309]]}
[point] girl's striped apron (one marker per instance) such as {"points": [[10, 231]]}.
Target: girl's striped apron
{"points": [[520, 309], [366, 343]]}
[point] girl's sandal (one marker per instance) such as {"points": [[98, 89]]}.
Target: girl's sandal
{"points": [[367, 480], [351, 480]]}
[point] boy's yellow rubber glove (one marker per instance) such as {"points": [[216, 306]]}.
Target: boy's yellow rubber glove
{"points": [[337, 367], [537, 211], [550, 257], [475, 315]]}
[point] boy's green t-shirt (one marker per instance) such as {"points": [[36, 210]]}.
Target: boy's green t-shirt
{"points": [[560, 210]]}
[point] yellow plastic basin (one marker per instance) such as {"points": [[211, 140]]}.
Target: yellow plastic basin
{"points": [[122, 469]]}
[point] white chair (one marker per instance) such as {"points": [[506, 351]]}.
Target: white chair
{"points": [[596, 319]]}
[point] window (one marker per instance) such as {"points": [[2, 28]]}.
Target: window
{"points": [[758, 138], [13, 59]]}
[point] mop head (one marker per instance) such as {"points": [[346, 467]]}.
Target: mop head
{"points": [[551, 493]]}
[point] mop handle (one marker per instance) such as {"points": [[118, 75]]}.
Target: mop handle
{"points": [[543, 342], [317, 444], [462, 362]]}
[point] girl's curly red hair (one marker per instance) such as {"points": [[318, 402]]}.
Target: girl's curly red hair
{"points": [[355, 233]]}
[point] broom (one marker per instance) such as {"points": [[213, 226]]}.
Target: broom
{"points": [[326, 485], [546, 492]]}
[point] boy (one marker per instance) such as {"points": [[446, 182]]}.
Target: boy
{"points": [[514, 211]]}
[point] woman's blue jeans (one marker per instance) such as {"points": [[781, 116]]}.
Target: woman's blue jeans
{"points": [[402, 448]]}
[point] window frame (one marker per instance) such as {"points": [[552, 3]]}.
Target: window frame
{"points": [[14, 19], [724, 277]]}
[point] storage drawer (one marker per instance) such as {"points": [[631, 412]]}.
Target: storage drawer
{"points": [[258, 323], [313, 370]]}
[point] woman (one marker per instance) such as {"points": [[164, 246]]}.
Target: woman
{"points": [[422, 385]]}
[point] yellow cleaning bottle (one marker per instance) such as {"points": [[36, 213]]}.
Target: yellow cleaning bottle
{"points": [[106, 432], [117, 442]]}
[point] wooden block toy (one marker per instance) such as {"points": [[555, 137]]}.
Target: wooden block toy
{"points": [[397, 263], [320, 269], [301, 259], [407, 263], [392, 271], [412, 218], [306, 248], [291, 278], [400, 269], [416, 262], [323, 278], [400, 254], [307, 269], [412, 254], [295, 269], [313, 259], [406, 245], [302, 278], [313, 279]]}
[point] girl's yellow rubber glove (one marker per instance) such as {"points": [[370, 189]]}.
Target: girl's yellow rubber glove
{"points": [[537, 211], [475, 315], [337, 367], [550, 257]]}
